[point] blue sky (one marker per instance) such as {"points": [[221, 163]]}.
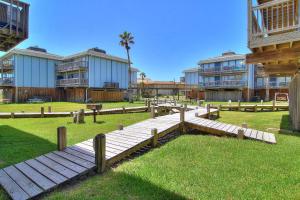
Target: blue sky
{"points": [[170, 35]]}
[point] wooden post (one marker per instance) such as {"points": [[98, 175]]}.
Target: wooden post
{"points": [[12, 115], [185, 107], [273, 105], [153, 111], [182, 115], [255, 108], [241, 134], [245, 125], [49, 109], [61, 138], [149, 105], [239, 105], [124, 110], [99, 146], [42, 111], [146, 102], [219, 109], [154, 138], [120, 127], [94, 116], [208, 110]]}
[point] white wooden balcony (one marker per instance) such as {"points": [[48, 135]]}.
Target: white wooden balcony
{"points": [[223, 70], [7, 82], [72, 66], [72, 82], [273, 22], [228, 84]]}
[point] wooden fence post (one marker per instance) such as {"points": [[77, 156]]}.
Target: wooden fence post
{"points": [[241, 134], [42, 111], [219, 109], [155, 137], [273, 105], [255, 108], [124, 110], [153, 111], [185, 107], [239, 105], [61, 138], [244, 125], [182, 115], [120, 127], [49, 109], [99, 146], [149, 105], [208, 110]]}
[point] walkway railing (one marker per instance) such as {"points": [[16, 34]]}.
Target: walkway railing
{"points": [[72, 66]]}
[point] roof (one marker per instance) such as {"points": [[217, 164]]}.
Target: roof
{"points": [[227, 56], [97, 54], [133, 69], [46, 55], [28, 52], [194, 69]]}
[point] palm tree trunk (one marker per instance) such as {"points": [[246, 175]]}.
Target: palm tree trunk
{"points": [[129, 67]]}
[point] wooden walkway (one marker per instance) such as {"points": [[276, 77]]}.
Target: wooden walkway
{"points": [[37, 176], [67, 114], [254, 108]]}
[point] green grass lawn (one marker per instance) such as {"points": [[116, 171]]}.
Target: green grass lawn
{"points": [[190, 167], [61, 106]]}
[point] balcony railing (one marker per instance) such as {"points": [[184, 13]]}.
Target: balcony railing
{"points": [[224, 84], [72, 82], [273, 85], [272, 18], [231, 69], [72, 66], [7, 81]]}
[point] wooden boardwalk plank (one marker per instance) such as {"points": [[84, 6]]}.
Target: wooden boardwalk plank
{"points": [[80, 155], [46, 171], [25, 183], [14, 190], [35, 176], [75, 159]]}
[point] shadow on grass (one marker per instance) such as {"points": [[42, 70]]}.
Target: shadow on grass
{"points": [[115, 185], [286, 127], [17, 145]]}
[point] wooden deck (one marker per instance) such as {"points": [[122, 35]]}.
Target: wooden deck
{"points": [[254, 108], [37, 176], [67, 114]]}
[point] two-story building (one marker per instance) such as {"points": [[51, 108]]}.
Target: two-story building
{"points": [[91, 75], [227, 77]]}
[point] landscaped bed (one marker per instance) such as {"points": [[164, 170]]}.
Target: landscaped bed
{"points": [[190, 167]]}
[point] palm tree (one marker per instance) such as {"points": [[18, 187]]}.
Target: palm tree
{"points": [[126, 41], [143, 76]]}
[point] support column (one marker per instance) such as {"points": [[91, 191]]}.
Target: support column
{"points": [[267, 81]]}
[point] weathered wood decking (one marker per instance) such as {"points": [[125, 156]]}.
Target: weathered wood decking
{"points": [[254, 108], [66, 114], [34, 177]]}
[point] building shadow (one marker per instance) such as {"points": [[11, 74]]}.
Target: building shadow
{"points": [[17, 145], [286, 127], [114, 185]]}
